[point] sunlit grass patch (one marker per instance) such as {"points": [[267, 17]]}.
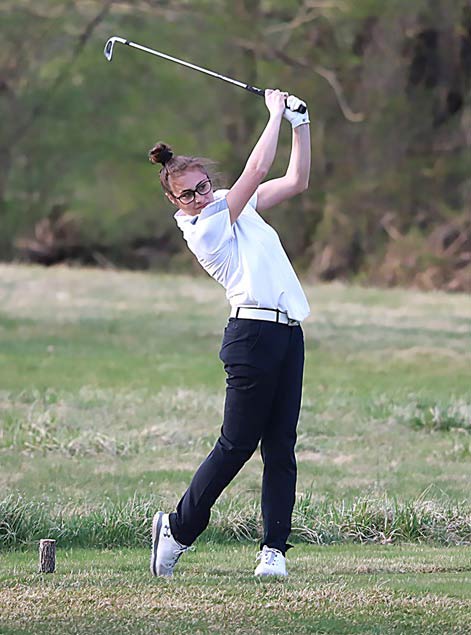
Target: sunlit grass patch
{"points": [[368, 590], [434, 417]]}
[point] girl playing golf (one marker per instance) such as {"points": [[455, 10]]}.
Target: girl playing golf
{"points": [[262, 348]]}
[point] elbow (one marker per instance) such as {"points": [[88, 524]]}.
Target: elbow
{"points": [[261, 172], [258, 171], [298, 182], [302, 185]]}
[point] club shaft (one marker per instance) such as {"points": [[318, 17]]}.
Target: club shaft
{"points": [[253, 89]]}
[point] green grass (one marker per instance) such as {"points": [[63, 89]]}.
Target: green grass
{"points": [[344, 590], [110, 385], [111, 394], [127, 524]]}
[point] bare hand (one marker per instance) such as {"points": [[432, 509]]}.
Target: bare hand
{"points": [[275, 101]]}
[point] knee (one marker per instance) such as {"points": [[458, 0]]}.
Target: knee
{"points": [[281, 458], [240, 450]]}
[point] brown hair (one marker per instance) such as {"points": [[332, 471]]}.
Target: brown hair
{"points": [[173, 165]]}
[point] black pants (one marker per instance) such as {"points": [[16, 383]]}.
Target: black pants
{"points": [[264, 365]]}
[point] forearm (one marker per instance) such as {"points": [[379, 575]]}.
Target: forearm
{"points": [[299, 166], [263, 154], [260, 159]]}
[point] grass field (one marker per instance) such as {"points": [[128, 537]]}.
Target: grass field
{"points": [[111, 394], [343, 589]]}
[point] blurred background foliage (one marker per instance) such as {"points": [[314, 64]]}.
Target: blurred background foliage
{"points": [[388, 87]]}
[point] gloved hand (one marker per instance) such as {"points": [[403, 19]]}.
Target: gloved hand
{"points": [[295, 118]]}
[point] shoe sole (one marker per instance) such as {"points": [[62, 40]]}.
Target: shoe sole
{"points": [[156, 527]]}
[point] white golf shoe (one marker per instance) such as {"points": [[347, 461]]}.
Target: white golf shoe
{"points": [[272, 562], [165, 549]]}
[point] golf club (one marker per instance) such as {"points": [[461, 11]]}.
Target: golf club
{"points": [[109, 54]]}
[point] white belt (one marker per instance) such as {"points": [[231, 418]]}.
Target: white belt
{"points": [[255, 313]]}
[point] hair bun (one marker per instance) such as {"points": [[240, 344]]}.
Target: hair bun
{"points": [[160, 153]]}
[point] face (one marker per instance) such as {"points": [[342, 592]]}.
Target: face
{"points": [[190, 180]]}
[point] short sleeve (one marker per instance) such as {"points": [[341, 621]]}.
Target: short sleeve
{"points": [[212, 229], [253, 200]]}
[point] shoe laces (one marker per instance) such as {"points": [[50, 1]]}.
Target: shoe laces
{"points": [[269, 555], [178, 552]]}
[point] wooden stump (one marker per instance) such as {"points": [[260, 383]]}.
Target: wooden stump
{"points": [[47, 556]]}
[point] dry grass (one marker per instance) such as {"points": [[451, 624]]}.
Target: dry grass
{"points": [[110, 385], [213, 591]]}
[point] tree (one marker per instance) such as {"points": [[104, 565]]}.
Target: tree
{"points": [[388, 87]]}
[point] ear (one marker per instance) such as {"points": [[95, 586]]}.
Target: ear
{"points": [[172, 199]]}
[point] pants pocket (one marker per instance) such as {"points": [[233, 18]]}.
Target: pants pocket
{"points": [[240, 339]]}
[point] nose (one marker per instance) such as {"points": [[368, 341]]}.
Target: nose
{"points": [[199, 198]]}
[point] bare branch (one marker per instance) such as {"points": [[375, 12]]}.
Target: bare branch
{"points": [[328, 75], [169, 11], [308, 12], [331, 78], [287, 28], [326, 4]]}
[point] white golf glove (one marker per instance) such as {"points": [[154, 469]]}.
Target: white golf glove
{"points": [[295, 118]]}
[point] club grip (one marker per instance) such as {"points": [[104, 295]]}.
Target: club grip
{"points": [[259, 91], [255, 90]]}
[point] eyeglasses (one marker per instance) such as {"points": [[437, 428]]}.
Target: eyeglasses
{"points": [[188, 196]]}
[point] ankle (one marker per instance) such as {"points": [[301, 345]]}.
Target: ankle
{"points": [[282, 551]]}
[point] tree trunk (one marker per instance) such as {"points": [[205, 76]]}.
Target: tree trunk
{"points": [[242, 113], [5, 164], [5, 233]]}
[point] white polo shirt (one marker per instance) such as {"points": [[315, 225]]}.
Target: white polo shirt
{"points": [[246, 257]]}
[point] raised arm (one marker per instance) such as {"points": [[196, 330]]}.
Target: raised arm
{"points": [[296, 179], [261, 157]]}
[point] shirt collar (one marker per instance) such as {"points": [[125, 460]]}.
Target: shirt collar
{"points": [[182, 218]]}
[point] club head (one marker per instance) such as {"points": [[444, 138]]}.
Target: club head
{"points": [[110, 45]]}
